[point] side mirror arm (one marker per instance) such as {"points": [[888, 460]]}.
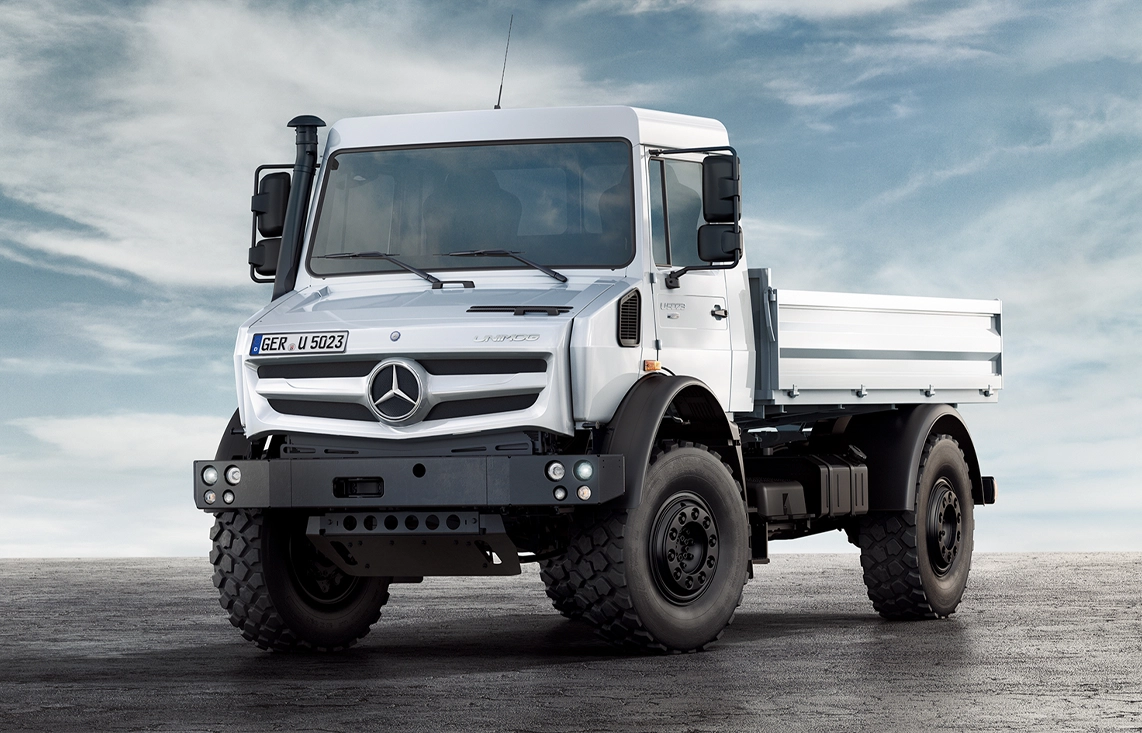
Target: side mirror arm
{"points": [[671, 279]]}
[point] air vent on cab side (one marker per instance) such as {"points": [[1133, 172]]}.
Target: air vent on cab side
{"points": [[630, 319]]}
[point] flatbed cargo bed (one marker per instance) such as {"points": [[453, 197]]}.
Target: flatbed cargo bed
{"points": [[847, 349]]}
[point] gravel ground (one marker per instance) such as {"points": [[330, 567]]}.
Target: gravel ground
{"points": [[1041, 642]]}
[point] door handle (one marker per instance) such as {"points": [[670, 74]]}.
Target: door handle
{"points": [[719, 312]]}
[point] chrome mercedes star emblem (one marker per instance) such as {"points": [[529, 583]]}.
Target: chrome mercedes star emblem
{"points": [[396, 391]]}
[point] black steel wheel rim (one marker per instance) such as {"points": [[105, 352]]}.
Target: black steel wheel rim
{"points": [[945, 527], [322, 583], [684, 548]]}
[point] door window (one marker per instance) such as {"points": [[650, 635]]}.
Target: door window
{"points": [[675, 211]]}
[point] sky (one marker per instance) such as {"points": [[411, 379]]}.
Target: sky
{"points": [[979, 149]]}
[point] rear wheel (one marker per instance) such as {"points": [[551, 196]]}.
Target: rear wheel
{"points": [[668, 574], [281, 592], [916, 563]]}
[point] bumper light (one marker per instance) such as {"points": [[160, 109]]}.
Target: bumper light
{"points": [[584, 492], [584, 470], [228, 496], [210, 475], [560, 493], [233, 475], [210, 497], [555, 471]]}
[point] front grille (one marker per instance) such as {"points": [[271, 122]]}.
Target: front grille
{"points": [[283, 382], [483, 366], [481, 406], [630, 306], [332, 410]]}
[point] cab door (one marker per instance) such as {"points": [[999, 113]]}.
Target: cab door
{"points": [[692, 320]]}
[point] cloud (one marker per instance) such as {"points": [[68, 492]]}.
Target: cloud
{"points": [[104, 485], [143, 123], [757, 9]]}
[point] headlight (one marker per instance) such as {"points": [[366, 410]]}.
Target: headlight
{"points": [[555, 471], [584, 470], [233, 475], [210, 475]]}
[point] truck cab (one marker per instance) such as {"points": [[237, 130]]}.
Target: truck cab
{"points": [[510, 336]]}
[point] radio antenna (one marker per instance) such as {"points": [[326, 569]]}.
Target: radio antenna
{"points": [[505, 69]]}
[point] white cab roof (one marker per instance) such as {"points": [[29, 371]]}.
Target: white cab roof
{"points": [[640, 126]]}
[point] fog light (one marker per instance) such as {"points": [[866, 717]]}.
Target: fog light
{"points": [[228, 496], [210, 497], [584, 492], [584, 470], [210, 475], [233, 475], [555, 471], [560, 493]]}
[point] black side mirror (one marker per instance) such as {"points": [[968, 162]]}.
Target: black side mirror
{"points": [[721, 189], [269, 204], [719, 243], [264, 256]]}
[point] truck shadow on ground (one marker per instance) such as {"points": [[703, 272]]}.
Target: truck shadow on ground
{"points": [[485, 645]]}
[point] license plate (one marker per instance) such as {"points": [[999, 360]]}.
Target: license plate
{"points": [[322, 342]]}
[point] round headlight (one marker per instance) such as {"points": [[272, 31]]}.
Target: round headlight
{"points": [[210, 497], [228, 496], [555, 470], [584, 470], [210, 475], [233, 475], [560, 493], [584, 492]]}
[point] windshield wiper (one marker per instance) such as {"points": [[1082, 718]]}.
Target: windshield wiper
{"points": [[514, 255], [437, 283]]}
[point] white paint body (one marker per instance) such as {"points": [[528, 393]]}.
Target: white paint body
{"points": [[588, 372]]}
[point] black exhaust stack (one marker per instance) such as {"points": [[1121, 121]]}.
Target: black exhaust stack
{"points": [[304, 168]]}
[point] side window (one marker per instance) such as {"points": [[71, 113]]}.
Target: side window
{"points": [[683, 210], [658, 216], [675, 212]]}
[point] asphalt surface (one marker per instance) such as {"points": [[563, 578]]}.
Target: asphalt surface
{"points": [[1041, 642]]}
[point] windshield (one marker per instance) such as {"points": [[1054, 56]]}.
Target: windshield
{"points": [[566, 204]]}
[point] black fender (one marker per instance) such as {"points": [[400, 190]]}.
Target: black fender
{"points": [[894, 442], [636, 426], [234, 444]]}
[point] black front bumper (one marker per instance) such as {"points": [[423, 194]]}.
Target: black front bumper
{"points": [[438, 481]]}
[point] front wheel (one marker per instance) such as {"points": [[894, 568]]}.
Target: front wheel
{"points": [[668, 574], [916, 563], [281, 592]]}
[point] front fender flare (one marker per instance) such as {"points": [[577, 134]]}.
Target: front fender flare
{"points": [[634, 429]]}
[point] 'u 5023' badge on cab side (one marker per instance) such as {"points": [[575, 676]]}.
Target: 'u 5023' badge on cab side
{"points": [[322, 342]]}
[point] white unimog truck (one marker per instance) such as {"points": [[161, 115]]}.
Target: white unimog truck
{"points": [[512, 336]]}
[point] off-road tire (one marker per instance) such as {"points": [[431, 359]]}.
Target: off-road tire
{"points": [[618, 579], [906, 574], [258, 586], [561, 588]]}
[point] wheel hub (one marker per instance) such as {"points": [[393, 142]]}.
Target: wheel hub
{"points": [[684, 548], [945, 527], [316, 576]]}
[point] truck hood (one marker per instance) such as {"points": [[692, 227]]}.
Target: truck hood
{"points": [[330, 307]]}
